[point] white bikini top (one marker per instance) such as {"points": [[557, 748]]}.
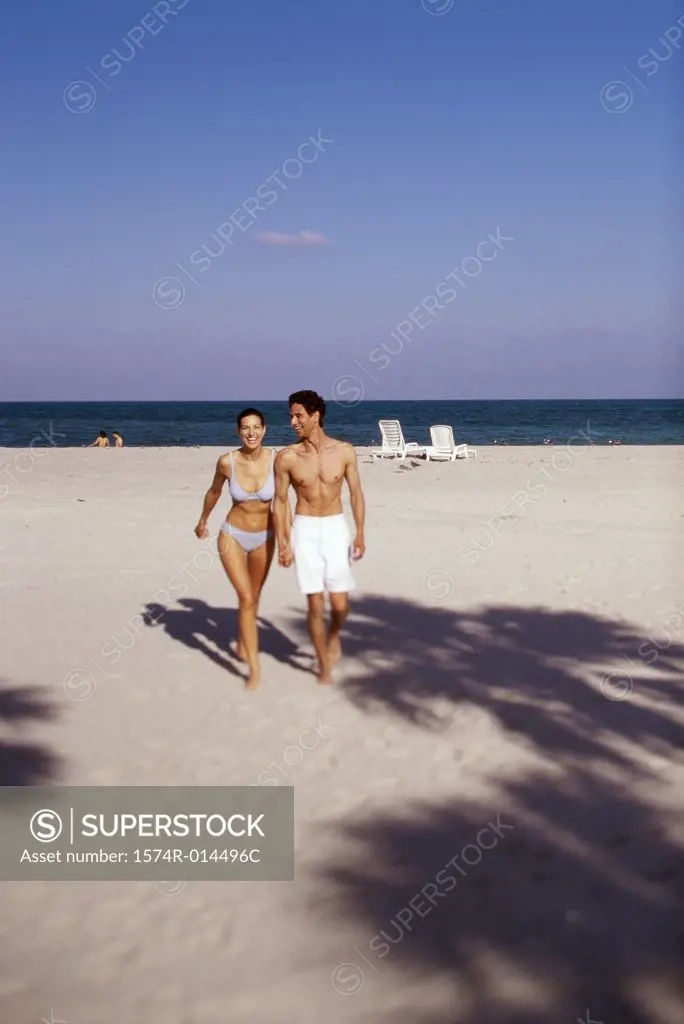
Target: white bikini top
{"points": [[265, 493]]}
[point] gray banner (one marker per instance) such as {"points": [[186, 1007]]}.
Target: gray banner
{"points": [[146, 833]]}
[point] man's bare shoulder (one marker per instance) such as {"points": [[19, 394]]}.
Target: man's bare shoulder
{"points": [[335, 444], [346, 450], [286, 456]]}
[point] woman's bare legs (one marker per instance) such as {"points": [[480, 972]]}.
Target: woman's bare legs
{"points": [[258, 565], [247, 573], [234, 560]]}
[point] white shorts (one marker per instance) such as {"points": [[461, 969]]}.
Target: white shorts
{"points": [[322, 552]]}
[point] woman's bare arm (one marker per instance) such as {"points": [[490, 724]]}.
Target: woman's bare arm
{"points": [[211, 497]]}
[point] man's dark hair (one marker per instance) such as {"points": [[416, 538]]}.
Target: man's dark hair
{"points": [[311, 401], [250, 412]]}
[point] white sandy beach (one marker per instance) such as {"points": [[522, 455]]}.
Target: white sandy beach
{"points": [[495, 596]]}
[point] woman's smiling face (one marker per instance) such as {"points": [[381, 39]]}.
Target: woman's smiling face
{"points": [[251, 431]]}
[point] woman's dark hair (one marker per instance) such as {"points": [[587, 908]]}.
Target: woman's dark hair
{"points": [[311, 401], [251, 412], [103, 433]]}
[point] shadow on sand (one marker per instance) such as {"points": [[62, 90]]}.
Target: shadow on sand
{"points": [[209, 630], [578, 906], [23, 763]]}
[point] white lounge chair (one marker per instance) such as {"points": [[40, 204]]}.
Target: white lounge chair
{"points": [[393, 444], [444, 447]]}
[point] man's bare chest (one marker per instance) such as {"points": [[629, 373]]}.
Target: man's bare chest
{"points": [[326, 469]]}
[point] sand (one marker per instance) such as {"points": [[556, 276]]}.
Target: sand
{"points": [[510, 700]]}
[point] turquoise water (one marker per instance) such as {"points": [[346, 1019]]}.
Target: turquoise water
{"points": [[71, 424]]}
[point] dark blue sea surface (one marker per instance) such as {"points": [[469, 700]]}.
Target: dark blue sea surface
{"points": [[71, 424]]}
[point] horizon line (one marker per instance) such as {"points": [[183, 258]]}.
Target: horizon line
{"points": [[333, 401]]}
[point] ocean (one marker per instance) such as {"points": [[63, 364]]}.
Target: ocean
{"points": [[72, 424]]}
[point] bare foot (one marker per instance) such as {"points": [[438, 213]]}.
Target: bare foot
{"points": [[253, 681], [324, 677], [334, 650]]}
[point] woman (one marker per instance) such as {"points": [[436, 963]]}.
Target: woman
{"points": [[102, 441], [118, 439], [246, 542]]}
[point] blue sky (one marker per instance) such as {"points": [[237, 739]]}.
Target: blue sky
{"points": [[444, 126]]}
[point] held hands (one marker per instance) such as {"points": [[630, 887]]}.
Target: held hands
{"points": [[201, 530], [358, 548], [285, 556]]}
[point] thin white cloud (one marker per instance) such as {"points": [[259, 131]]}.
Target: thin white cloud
{"points": [[301, 238]]}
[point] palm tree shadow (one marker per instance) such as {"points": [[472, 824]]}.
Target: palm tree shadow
{"points": [[204, 628], [549, 677], [544, 902], [576, 901], [24, 763]]}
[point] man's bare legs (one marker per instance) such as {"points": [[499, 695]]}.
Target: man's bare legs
{"points": [[339, 610], [317, 631], [327, 643]]}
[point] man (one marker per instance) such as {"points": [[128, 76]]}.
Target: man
{"points": [[318, 540]]}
